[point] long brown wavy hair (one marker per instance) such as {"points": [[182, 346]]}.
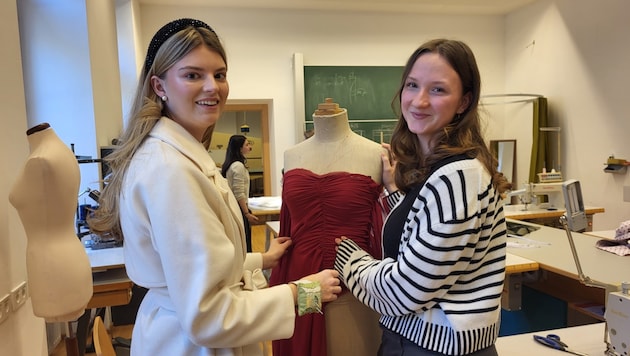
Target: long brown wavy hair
{"points": [[463, 136]]}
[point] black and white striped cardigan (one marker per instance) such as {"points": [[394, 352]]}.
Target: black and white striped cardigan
{"points": [[444, 290]]}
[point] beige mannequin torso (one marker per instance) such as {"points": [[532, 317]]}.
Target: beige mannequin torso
{"points": [[45, 197], [351, 327], [335, 148]]}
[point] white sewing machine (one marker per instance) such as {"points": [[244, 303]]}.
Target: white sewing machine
{"points": [[617, 321], [617, 315], [534, 193]]}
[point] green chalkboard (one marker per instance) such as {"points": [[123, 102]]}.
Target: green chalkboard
{"points": [[365, 91]]}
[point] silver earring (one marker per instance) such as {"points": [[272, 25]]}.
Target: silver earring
{"points": [[164, 98]]}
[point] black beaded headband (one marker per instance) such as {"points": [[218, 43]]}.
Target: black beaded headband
{"points": [[165, 33]]}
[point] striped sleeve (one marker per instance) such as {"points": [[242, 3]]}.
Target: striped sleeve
{"points": [[447, 254]]}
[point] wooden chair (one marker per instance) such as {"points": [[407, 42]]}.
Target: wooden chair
{"points": [[101, 339]]}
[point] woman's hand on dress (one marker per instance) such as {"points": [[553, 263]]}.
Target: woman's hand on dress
{"points": [[338, 242], [389, 167], [329, 284], [277, 248]]}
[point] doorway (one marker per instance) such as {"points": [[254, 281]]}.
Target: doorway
{"points": [[252, 121]]}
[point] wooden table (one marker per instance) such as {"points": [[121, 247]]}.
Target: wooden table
{"points": [[271, 228], [266, 215], [112, 286], [602, 234], [545, 216], [558, 275], [554, 254], [518, 264], [265, 208]]}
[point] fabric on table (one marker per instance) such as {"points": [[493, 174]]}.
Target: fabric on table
{"points": [[618, 246], [315, 210]]}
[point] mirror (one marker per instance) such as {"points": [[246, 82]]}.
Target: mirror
{"points": [[505, 152], [252, 121], [512, 117]]}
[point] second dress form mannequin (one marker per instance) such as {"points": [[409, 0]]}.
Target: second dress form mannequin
{"points": [[331, 187], [45, 197]]}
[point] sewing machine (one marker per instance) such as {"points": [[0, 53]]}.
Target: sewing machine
{"points": [[617, 321], [617, 315], [534, 195]]}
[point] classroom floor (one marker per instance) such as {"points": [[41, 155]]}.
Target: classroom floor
{"points": [[258, 245]]}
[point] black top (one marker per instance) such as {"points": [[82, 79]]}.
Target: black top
{"points": [[393, 229]]}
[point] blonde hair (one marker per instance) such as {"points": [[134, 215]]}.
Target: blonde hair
{"points": [[146, 110]]}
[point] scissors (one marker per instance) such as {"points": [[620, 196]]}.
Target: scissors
{"points": [[553, 341]]}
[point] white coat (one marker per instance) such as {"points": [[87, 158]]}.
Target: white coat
{"points": [[184, 241]]}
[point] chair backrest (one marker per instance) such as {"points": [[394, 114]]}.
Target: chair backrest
{"points": [[101, 339]]}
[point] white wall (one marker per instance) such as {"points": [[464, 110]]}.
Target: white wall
{"points": [[260, 45], [130, 57], [58, 90], [22, 333], [580, 61]]}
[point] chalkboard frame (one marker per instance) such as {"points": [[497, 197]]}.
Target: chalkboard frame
{"points": [[365, 91]]}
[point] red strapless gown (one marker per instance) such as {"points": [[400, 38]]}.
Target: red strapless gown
{"points": [[315, 210]]}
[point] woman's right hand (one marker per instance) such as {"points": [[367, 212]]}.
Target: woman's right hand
{"points": [[329, 283], [389, 167]]}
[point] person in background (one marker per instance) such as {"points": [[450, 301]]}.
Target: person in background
{"points": [[182, 227], [237, 175], [438, 287]]}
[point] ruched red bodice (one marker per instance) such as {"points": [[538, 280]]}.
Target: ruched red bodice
{"points": [[315, 210]]}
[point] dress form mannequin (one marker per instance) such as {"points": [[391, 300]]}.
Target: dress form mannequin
{"points": [[336, 176], [334, 147], [45, 197]]}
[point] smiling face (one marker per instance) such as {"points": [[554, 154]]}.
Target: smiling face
{"points": [[431, 97], [196, 89]]}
